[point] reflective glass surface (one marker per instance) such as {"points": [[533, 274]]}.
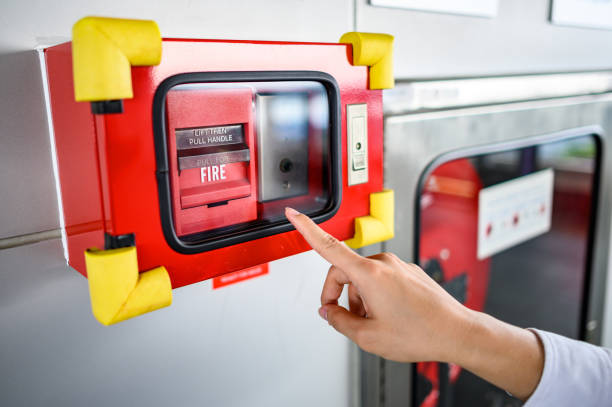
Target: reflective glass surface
{"points": [[240, 152], [538, 278]]}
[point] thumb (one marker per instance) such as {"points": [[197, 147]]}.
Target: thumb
{"points": [[343, 320]]}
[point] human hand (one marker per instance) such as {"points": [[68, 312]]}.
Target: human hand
{"points": [[395, 309]]}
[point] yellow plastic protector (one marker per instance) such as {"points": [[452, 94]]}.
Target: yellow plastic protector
{"points": [[104, 49], [118, 291], [375, 51], [379, 225]]}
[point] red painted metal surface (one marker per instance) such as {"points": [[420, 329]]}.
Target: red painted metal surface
{"points": [[107, 163]]}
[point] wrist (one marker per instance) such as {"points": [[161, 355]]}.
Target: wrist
{"points": [[512, 358], [462, 333], [476, 340]]}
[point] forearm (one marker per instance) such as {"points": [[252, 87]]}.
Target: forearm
{"points": [[509, 357]]}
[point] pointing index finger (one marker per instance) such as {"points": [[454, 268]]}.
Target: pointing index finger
{"points": [[323, 243]]}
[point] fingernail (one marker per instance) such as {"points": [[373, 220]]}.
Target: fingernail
{"points": [[323, 313], [290, 212]]}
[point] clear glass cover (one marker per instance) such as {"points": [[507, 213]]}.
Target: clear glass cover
{"points": [[535, 282], [240, 152]]}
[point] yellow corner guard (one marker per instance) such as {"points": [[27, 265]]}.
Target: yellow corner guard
{"points": [[379, 225], [375, 51], [103, 50], [118, 291]]}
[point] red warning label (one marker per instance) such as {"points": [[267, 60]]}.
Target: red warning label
{"points": [[240, 275]]}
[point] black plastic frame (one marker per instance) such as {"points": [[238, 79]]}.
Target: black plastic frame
{"points": [[469, 152], [256, 232]]}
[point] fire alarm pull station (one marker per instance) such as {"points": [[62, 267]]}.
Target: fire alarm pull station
{"points": [[189, 161], [241, 148]]}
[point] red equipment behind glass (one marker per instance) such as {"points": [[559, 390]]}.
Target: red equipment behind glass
{"points": [[448, 253]]}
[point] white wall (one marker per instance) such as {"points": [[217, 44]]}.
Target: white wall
{"points": [[257, 343], [26, 23]]}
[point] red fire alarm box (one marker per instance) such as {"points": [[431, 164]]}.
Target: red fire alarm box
{"points": [[241, 147], [189, 150]]}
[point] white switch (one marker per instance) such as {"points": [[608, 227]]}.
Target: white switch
{"points": [[357, 131]]}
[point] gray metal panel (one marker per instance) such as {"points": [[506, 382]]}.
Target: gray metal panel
{"points": [[28, 199], [370, 366], [257, 343], [370, 250], [383, 383], [371, 371], [279, 143], [412, 141], [606, 339], [411, 97], [519, 40], [398, 384]]}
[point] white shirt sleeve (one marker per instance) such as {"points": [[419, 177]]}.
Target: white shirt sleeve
{"points": [[575, 374]]}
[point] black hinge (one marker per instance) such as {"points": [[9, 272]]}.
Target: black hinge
{"points": [[119, 241]]}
